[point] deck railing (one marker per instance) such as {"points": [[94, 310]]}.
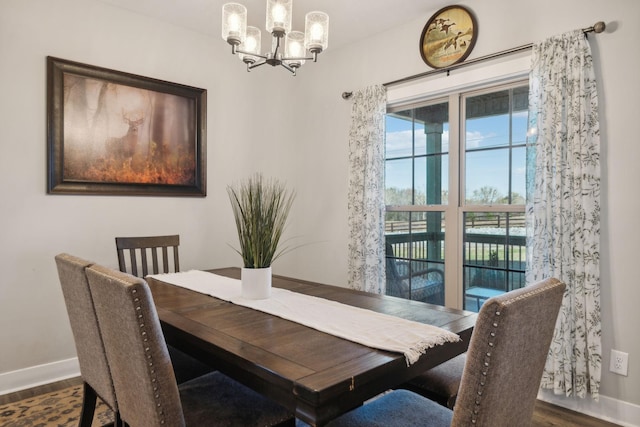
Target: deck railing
{"points": [[490, 260]]}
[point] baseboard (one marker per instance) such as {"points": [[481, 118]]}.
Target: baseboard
{"points": [[606, 408], [38, 375]]}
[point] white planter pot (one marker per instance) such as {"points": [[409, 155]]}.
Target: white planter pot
{"points": [[256, 283]]}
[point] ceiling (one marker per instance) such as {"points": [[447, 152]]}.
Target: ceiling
{"points": [[349, 20]]}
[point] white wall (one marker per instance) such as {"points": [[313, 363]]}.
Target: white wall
{"points": [[292, 128], [34, 329]]}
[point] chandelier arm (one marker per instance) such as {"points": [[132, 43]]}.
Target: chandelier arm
{"points": [[298, 58], [250, 53], [255, 64], [291, 69]]}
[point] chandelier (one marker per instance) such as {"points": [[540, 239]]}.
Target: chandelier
{"points": [[246, 40]]}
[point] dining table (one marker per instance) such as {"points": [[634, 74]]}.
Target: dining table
{"points": [[316, 375]]}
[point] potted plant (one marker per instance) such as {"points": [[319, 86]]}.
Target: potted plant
{"points": [[260, 208]]}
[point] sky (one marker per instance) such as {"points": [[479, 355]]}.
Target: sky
{"points": [[487, 161]]}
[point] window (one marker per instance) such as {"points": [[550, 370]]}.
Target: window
{"points": [[455, 194]]}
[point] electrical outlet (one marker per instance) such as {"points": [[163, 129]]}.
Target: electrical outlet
{"points": [[619, 362]]}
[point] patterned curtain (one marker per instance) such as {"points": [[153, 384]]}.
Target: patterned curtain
{"points": [[366, 190], [563, 213]]}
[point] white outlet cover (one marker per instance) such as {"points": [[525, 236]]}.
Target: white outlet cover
{"points": [[619, 362]]}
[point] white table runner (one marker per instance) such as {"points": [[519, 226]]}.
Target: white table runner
{"points": [[355, 324]]}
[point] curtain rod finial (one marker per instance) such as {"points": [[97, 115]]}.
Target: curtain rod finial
{"points": [[599, 27], [347, 95]]}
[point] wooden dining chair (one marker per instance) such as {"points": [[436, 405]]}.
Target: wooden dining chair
{"points": [[502, 373], [140, 256], [145, 385], [92, 359]]}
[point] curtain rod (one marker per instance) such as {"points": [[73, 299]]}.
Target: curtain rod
{"points": [[597, 28]]}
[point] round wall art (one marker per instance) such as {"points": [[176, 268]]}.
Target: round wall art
{"points": [[448, 37]]}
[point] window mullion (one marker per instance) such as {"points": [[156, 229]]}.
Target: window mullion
{"points": [[452, 265], [510, 179]]}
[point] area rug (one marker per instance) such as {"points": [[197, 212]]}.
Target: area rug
{"points": [[56, 409]]}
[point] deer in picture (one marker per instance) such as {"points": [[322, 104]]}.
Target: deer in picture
{"points": [[124, 147]]}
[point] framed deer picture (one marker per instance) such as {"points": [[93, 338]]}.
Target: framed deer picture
{"points": [[111, 132]]}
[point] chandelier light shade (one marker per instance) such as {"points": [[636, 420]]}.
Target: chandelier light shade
{"points": [[317, 33], [289, 49], [251, 45], [234, 23], [279, 13], [294, 49]]}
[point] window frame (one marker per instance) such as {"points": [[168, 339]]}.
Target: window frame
{"points": [[456, 207]]}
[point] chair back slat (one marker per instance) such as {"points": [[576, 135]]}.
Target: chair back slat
{"points": [[506, 356], [134, 261], [165, 259], [176, 259], [138, 248], [143, 377]]}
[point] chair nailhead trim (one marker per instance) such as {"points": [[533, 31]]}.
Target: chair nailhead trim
{"points": [[487, 360], [147, 349]]}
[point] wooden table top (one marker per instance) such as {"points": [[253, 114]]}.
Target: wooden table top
{"points": [[316, 375]]}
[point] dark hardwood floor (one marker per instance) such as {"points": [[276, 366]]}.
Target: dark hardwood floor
{"points": [[545, 415], [35, 391]]}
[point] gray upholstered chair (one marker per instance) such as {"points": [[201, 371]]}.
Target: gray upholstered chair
{"points": [[86, 334], [144, 382], [501, 377], [140, 256], [440, 383]]}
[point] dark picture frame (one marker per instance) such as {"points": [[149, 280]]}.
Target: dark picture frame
{"points": [[116, 133], [448, 37]]}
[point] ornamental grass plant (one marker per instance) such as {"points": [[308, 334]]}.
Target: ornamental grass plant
{"points": [[260, 207]]}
